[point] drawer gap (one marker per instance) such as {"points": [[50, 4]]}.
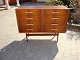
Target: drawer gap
{"points": [[54, 29], [30, 29]]}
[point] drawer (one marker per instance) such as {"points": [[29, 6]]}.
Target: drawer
{"points": [[23, 15], [55, 12], [54, 24], [29, 27], [54, 27], [30, 19], [55, 18], [55, 30], [30, 12]]}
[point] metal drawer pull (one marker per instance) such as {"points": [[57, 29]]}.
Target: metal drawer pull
{"points": [[55, 12], [54, 29], [54, 24], [28, 12], [29, 18], [55, 18], [29, 24], [30, 29]]}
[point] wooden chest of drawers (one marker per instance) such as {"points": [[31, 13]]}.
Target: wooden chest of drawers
{"points": [[44, 19]]}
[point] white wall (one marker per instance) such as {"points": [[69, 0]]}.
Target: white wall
{"points": [[1, 2]]}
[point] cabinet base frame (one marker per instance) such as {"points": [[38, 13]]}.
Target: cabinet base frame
{"points": [[36, 34]]}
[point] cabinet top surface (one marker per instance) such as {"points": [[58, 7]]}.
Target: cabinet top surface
{"points": [[42, 7]]}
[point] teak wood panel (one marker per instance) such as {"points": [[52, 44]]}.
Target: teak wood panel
{"points": [[29, 27], [55, 12], [54, 24], [42, 20], [54, 18], [29, 15], [55, 27], [55, 30]]}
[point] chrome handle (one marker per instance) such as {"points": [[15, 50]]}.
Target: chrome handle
{"points": [[30, 29], [54, 24], [28, 12], [54, 29], [29, 24], [55, 12], [55, 18], [29, 18]]}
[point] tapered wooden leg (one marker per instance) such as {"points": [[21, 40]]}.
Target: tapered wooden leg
{"points": [[57, 37], [26, 37]]}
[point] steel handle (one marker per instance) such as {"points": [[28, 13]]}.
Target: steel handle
{"points": [[55, 12], [29, 18], [55, 18], [28, 12], [54, 24], [29, 24]]}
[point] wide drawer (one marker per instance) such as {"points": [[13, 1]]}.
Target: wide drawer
{"points": [[29, 27], [55, 24], [29, 14], [55, 30], [29, 19], [55, 18], [55, 27], [54, 12]]}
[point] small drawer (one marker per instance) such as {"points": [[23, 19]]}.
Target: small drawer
{"points": [[54, 12], [29, 27]]}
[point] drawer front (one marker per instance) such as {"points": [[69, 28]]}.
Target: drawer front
{"points": [[55, 18], [30, 19], [29, 27], [55, 12], [55, 30], [29, 14], [57, 27]]}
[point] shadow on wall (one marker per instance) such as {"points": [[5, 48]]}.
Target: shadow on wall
{"points": [[32, 50], [73, 32]]}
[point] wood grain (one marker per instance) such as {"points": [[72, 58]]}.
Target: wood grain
{"points": [[42, 19]]}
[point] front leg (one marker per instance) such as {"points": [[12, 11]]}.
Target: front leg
{"points": [[57, 36], [26, 37]]}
